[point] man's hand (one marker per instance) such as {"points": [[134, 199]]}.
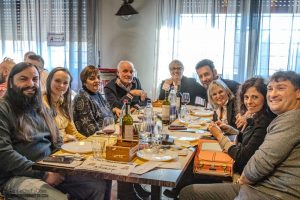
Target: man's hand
{"points": [[169, 81], [117, 111], [243, 180], [136, 92], [143, 96], [132, 110], [54, 179]]}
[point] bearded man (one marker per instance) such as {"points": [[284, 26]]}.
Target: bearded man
{"points": [[28, 134]]}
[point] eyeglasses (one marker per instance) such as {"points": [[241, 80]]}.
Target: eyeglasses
{"points": [[176, 68]]}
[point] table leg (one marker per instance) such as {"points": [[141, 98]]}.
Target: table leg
{"points": [[155, 192]]}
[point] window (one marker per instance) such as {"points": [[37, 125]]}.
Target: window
{"points": [[243, 38], [26, 24]]}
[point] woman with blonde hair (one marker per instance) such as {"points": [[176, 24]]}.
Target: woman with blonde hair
{"points": [[222, 100]]}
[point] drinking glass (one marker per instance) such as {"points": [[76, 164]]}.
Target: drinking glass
{"points": [[97, 148], [202, 102], [184, 115], [185, 99], [144, 137], [108, 127]]}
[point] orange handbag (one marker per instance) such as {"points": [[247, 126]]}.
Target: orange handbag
{"points": [[212, 162]]}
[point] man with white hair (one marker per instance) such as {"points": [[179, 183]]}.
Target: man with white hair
{"points": [[125, 86]]}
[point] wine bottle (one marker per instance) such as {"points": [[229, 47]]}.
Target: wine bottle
{"points": [[123, 109], [166, 110], [127, 124], [215, 116]]}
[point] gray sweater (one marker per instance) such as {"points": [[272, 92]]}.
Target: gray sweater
{"points": [[275, 166], [17, 156]]}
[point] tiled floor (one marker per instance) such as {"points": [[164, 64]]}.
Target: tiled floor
{"points": [[147, 187]]}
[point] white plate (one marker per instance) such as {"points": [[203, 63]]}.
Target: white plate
{"points": [[162, 156], [184, 136], [188, 138], [203, 113], [77, 147]]}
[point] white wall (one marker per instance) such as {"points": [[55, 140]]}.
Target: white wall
{"points": [[132, 40]]}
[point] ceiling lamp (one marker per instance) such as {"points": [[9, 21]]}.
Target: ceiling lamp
{"points": [[126, 10]]}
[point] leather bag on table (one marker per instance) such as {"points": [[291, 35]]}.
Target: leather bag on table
{"points": [[212, 162]]}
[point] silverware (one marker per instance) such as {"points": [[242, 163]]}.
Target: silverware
{"points": [[186, 131]]}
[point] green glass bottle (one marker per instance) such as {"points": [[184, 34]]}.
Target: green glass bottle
{"points": [[166, 110], [127, 124]]}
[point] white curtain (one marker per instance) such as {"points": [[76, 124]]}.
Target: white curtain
{"points": [[25, 25], [239, 36]]}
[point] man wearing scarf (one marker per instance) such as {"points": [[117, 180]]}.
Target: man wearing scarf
{"points": [[125, 86]]}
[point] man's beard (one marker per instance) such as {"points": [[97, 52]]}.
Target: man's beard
{"points": [[24, 103]]}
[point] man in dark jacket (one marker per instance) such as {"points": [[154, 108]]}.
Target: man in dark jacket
{"points": [[207, 73], [125, 86], [181, 83], [28, 134]]}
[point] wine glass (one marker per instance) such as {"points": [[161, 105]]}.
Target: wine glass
{"points": [[108, 127], [144, 136], [185, 99], [183, 115]]}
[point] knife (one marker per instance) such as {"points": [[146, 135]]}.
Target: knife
{"points": [[186, 131]]}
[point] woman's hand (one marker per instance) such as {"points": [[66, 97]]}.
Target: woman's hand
{"points": [[227, 128], [215, 130], [69, 138], [224, 127], [54, 179], [241, 120]]}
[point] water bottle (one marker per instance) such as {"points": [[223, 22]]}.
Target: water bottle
{"points": [[172, 97], [148, 111], [178, 99]]}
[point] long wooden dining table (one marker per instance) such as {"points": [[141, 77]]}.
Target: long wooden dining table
{"points": [[156, 178]]}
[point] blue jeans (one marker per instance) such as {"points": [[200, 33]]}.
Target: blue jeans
{"points": [[73, 187]]}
